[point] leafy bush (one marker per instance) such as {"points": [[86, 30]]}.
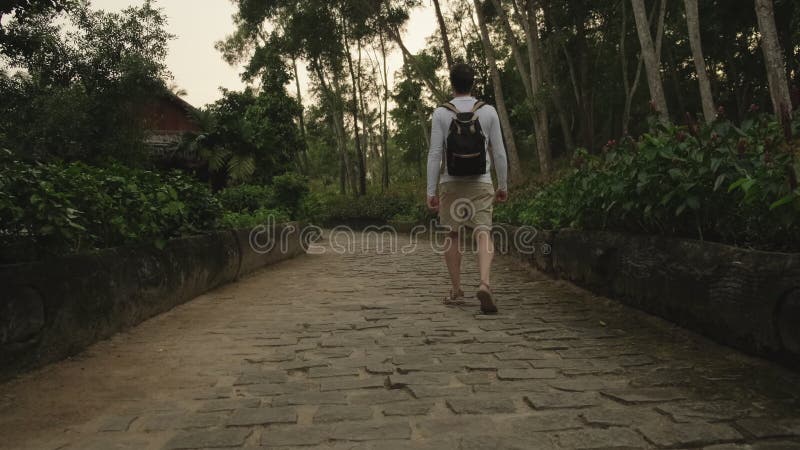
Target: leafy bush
{"points": [[262, 216], [290, 191], [57, 208], [730, 184], [246, 198], [376, 207]]}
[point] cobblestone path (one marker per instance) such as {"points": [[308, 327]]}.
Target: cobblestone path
{"points": [[355, 351]]}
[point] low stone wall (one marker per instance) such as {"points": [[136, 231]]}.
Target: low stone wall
{"points": [[743, 298], [55, 308]]}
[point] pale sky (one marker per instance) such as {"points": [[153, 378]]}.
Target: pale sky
{"points": [[199, 68]]}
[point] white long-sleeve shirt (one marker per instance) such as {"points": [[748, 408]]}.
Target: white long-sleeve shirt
{"points": [[490, 124]]}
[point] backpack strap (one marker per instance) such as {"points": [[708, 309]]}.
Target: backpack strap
{"points": [[478, 105], [450, 107]]}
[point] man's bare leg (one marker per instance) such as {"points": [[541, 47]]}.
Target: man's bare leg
{"points": [[485, 256], [452, 256]]}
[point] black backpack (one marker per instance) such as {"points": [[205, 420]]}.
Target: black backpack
{"points": [[465, 148]]}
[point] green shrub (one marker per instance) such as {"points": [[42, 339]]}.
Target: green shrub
{"points": [[290, 191], [57, 208], [402, 201], [262, 216], [246, 198], [730, 184]]}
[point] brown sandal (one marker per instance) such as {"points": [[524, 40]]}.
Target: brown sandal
{"points": [[485, 297], [453, 298]]}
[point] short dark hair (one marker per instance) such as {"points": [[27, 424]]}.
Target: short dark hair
{"points": [[462, 77]]}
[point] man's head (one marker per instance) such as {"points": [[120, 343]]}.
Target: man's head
{"points": [[462, 77]]}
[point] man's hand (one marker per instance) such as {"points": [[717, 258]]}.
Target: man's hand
{"points": [[501, 196], [433, 203]]}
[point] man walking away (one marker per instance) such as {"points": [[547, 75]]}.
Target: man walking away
{"points": [[463, 134]]}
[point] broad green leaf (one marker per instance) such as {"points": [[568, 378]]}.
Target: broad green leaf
{"points": [[783, 201], [720, 180]]}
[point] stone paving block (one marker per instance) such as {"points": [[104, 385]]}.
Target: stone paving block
{"points": [[494, 325], [329, 372], [202, 420], [526, 374], [282, 342], [328, 353], [668, 434], [542, 442], [770, 427], [428, 379], [450, 339], [456, 426], [483, 349], [499, 338], [703, 411], [558, 400], [310, 398], [409, 408], [296, 435], [261, 377], [351, 384], [519, 387], [644, 395], [413, 359], [208, 439], [620, 416], [229, 404], [545, 421], [481, 405], [421, 391], [445, 367], [161, 422], [266, 390], [328, 413], [588, 384], [262, 416], [117, 423], [597, 439], [272, 357], [524, 354], [769, 445], [427, 444], [371, 431], [378, 397], [530, 330], [112, 442], [304, 365], [380, 369], [474, 378]]}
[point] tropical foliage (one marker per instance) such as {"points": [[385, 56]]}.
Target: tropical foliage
{"points": [[720, 182]]}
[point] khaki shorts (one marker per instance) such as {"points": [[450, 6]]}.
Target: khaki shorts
{"points": [[465, 204]]}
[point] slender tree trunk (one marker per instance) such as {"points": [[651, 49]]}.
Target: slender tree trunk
{"points": [[431, 84], [365, 119], [515, 171], [557, 96], [342, 157], [362, 175], [631, 93], [693, 24], [773, 58], [541, 121], [385, 116], [448, 54], [332, 98], [511, 38], [651, 60], [301, 116]]}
